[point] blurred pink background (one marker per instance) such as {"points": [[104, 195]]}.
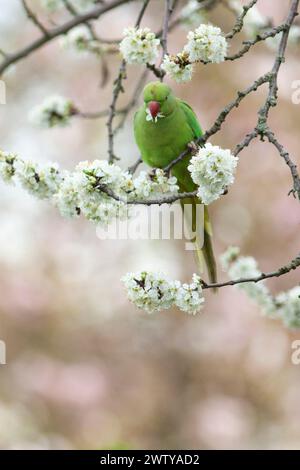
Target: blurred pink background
{"points": [[87, 370]]}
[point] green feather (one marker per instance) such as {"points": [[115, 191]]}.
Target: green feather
{"points": [[162, 141]]}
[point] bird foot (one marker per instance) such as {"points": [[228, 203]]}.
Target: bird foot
{"points": [[193, 147]]}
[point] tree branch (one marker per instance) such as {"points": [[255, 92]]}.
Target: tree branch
{"points": [[59, 31], [240, 20], [118, 88], [34, 19], [292, 265]]}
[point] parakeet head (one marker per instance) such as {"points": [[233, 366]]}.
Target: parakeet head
{"points": [[159, 100]]}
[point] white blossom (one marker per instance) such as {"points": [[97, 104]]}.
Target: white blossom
{"points": [[189, 297], [154, 292], [288, 304], [245, 267], [285, 306], [149, 116], [7, 169], [193, 13], [98, 190], [41, 181], [212, 169], [178, 67], [139, 46], [230, 255], [146, 185], [206, 44], [54, 111], [95, 204], [67, 197]]}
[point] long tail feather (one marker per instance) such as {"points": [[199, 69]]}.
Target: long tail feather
{"points": [[202, 239]]}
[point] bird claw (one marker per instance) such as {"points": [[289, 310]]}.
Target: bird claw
{"points": [[193, 147]]}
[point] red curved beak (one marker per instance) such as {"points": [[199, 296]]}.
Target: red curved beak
{"points": [[154, 108]]}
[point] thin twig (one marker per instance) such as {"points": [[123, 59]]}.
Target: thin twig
{"points": [[33, 17], [285, 155], [98, 11], [260, 37], [132, 169], [118, 88], [164, 38], [294, 264], [222, 117], [240, 20], [132, 103], [170, 199]]}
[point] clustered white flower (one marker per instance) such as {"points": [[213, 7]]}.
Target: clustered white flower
{"points": [[7, 169], [42, 181], [149, 116], [154, 185], [285, 306], [212, 169], [139, 46], [53, 111], [246, 267], [81, 192], [53, 5], [178, 67], [155, 292], [288, 304], [95, 204], [67, 197], [206, 44], [98, 190]]}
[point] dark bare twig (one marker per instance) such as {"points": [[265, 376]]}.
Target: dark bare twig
{"points": [[104, 67], [222, 117], [118, 88], [169, 4], [240, 20], [132, 169], [285, 155], [132, 103], [169, 199], [260, 37], [33, 17], [122, 111], [292, 265], [98, 11], [245, 142]]}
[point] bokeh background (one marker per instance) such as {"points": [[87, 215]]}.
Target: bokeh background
{"points": [[87, 370]]}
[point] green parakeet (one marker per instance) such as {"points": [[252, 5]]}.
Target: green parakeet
{"points": [[163, 126]]}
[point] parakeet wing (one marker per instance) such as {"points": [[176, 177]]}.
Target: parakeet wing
{"points": [[191, 118]]}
